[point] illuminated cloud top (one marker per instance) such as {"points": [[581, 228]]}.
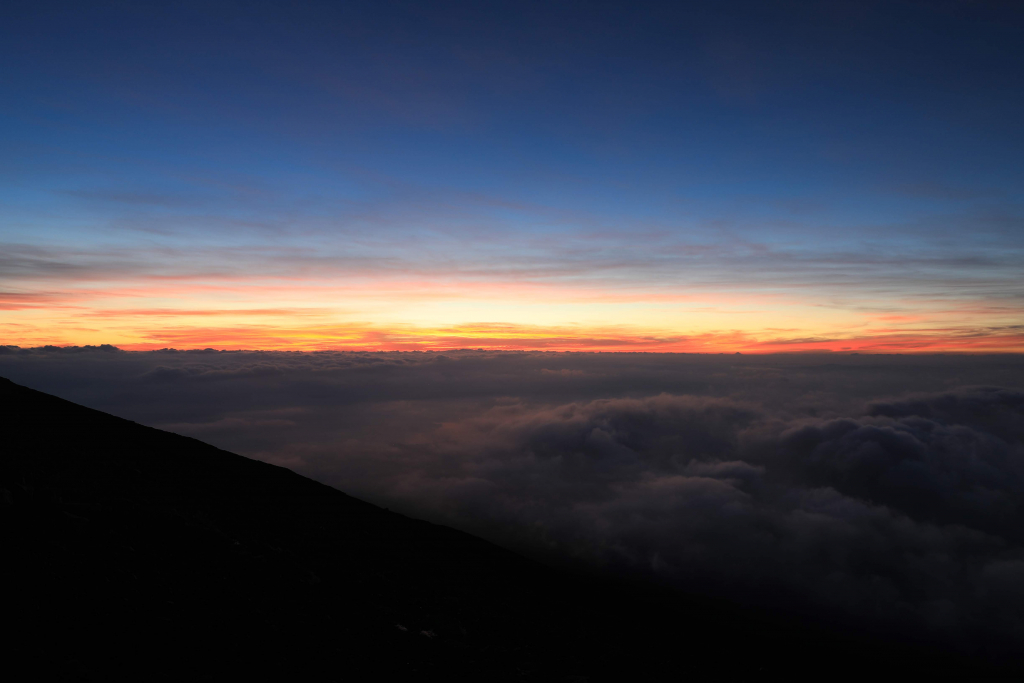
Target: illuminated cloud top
{"points": [[633, 176]]}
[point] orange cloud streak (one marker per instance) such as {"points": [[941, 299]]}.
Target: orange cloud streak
{"points": [[510, 337], [304, 315]]}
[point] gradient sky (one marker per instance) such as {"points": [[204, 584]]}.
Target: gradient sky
{"points": [[713, 176]]}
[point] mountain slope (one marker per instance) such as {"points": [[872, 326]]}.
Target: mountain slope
{"points": [[137, 547]]}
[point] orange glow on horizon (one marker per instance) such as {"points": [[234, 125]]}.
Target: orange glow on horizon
{"points": [[490, 336], [423, 314]]}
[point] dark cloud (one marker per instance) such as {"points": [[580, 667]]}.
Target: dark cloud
{"points": [[966, 467], [999, 410], [881, 491], [897, 524]]}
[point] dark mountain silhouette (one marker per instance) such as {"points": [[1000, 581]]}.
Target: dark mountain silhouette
{"points": [[136, 553]]}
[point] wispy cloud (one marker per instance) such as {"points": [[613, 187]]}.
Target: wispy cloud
{"points": [[660, 294]]}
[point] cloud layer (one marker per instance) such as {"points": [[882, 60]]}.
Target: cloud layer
{"points": [[885, 492]]}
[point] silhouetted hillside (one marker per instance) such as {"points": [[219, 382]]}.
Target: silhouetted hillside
{"points": [[137, 553]]}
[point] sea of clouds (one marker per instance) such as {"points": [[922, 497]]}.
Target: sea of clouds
{"points": [[880, 491]]}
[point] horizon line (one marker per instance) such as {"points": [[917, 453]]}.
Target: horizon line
{"points": [[112, 348]]}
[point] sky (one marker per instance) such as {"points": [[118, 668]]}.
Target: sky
{"points": [[877, 491], [695, 177]]}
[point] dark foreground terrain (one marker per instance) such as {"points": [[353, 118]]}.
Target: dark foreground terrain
{"points": [[136, 553]]}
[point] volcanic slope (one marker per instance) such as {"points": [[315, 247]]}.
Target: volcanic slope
{"points": [[134, 553]]}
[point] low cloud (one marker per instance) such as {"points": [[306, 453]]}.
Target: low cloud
{"points": [[881, 491], [905, 523]]}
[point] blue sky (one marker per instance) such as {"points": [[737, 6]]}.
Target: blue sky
{"points": [[863, 154]]}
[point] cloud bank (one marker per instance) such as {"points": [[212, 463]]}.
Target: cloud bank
{"points": [[883, 492]]}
